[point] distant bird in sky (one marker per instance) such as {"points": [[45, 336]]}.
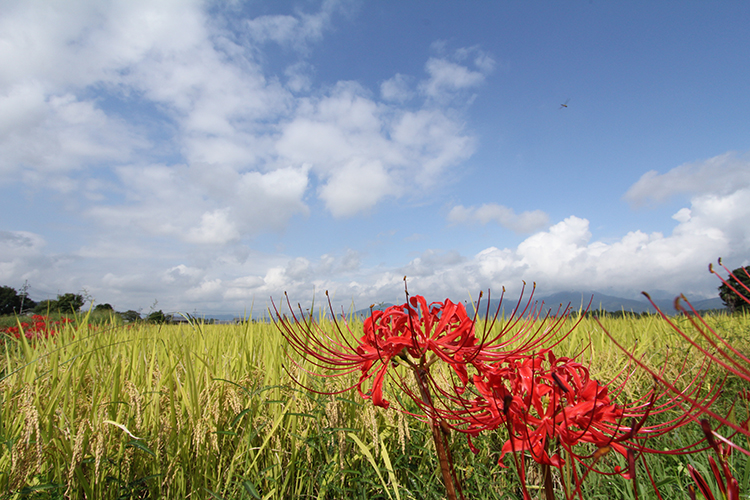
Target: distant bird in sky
{"points": [[565, 104]]}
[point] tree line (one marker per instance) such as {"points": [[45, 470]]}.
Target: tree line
{"points": [[14, 302]]}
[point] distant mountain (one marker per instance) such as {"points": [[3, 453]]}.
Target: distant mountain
{"points": [[601, 301], [576, 300]]}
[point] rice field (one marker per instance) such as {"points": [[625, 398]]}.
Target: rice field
{"points": [[209, 411]]}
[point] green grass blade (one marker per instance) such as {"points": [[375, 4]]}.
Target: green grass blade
{"points": [[366, 452]]}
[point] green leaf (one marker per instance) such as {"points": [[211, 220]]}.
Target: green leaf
{"points": [[366, 452], [140, 446], [250, 489]]}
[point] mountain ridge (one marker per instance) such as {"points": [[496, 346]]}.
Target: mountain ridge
{"points": [[576, 299]]}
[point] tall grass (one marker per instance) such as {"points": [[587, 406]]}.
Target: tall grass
{"points": [[208, 411]]}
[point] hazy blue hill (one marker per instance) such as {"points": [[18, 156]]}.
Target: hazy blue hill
{"points": [[552, 302], [599, 301]]}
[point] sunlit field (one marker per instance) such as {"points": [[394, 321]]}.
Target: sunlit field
{"points": [[209, 411]]}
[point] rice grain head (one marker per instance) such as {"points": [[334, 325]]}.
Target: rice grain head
{"points": [[77, 457]]}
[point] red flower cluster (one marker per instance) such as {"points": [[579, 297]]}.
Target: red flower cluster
{"points": [[512, 381], [540, 397], [445, 332], [40, 327]]}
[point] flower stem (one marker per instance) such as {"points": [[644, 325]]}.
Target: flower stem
{"points": [[549, 490], [437, 436]]}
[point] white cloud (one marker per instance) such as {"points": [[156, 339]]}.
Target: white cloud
{"points": [[53, 135], [206, 290], [366, 151], [525, 222], [396, 88], [298, 77], [566, 258], [433, 141], [297, 31], [215, 228], [184, 148], [351, 261], [204, 204], [721, 175], [21, 256], [355, 187], [168, 82], [448, 77], [432, 262], [183, 275]]}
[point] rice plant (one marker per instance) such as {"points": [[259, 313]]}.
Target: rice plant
{"points": [[209, 411]]}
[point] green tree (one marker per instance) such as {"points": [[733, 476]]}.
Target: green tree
{"points": [[46, 306], [731, 299], [130, 316], [104, 308], [70, 302], [158, 317], [10, 301]]}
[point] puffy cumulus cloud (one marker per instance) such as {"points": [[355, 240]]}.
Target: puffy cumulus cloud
{"points": [[226, 284], [54, 57], [205, 205], [122, 86], [364, 151], [720, 175], [296, 31], [330, 264], [565, 257], [207, 290], [432, 262], [220, 102], [351, 261], [298, 77], [183, 275], [28, 258], [524, 222], [355, 187], [300, 277], [215, 227], [449, 74], [93, 83], [397, 88], [22, 257], [41, 42], [43, 136]]}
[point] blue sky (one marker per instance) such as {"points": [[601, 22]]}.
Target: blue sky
{"points": [[209, 155]]}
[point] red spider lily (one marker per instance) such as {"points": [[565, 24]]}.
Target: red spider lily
{"points": [[719, 352], [728, 485], [417, 334], [698, 401], [540, 397], [513, 379], [414, 329], [544, 401], [444, 329], [40, 327]]}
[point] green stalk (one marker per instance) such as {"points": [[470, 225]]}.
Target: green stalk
{"points": [[437, 437]]}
